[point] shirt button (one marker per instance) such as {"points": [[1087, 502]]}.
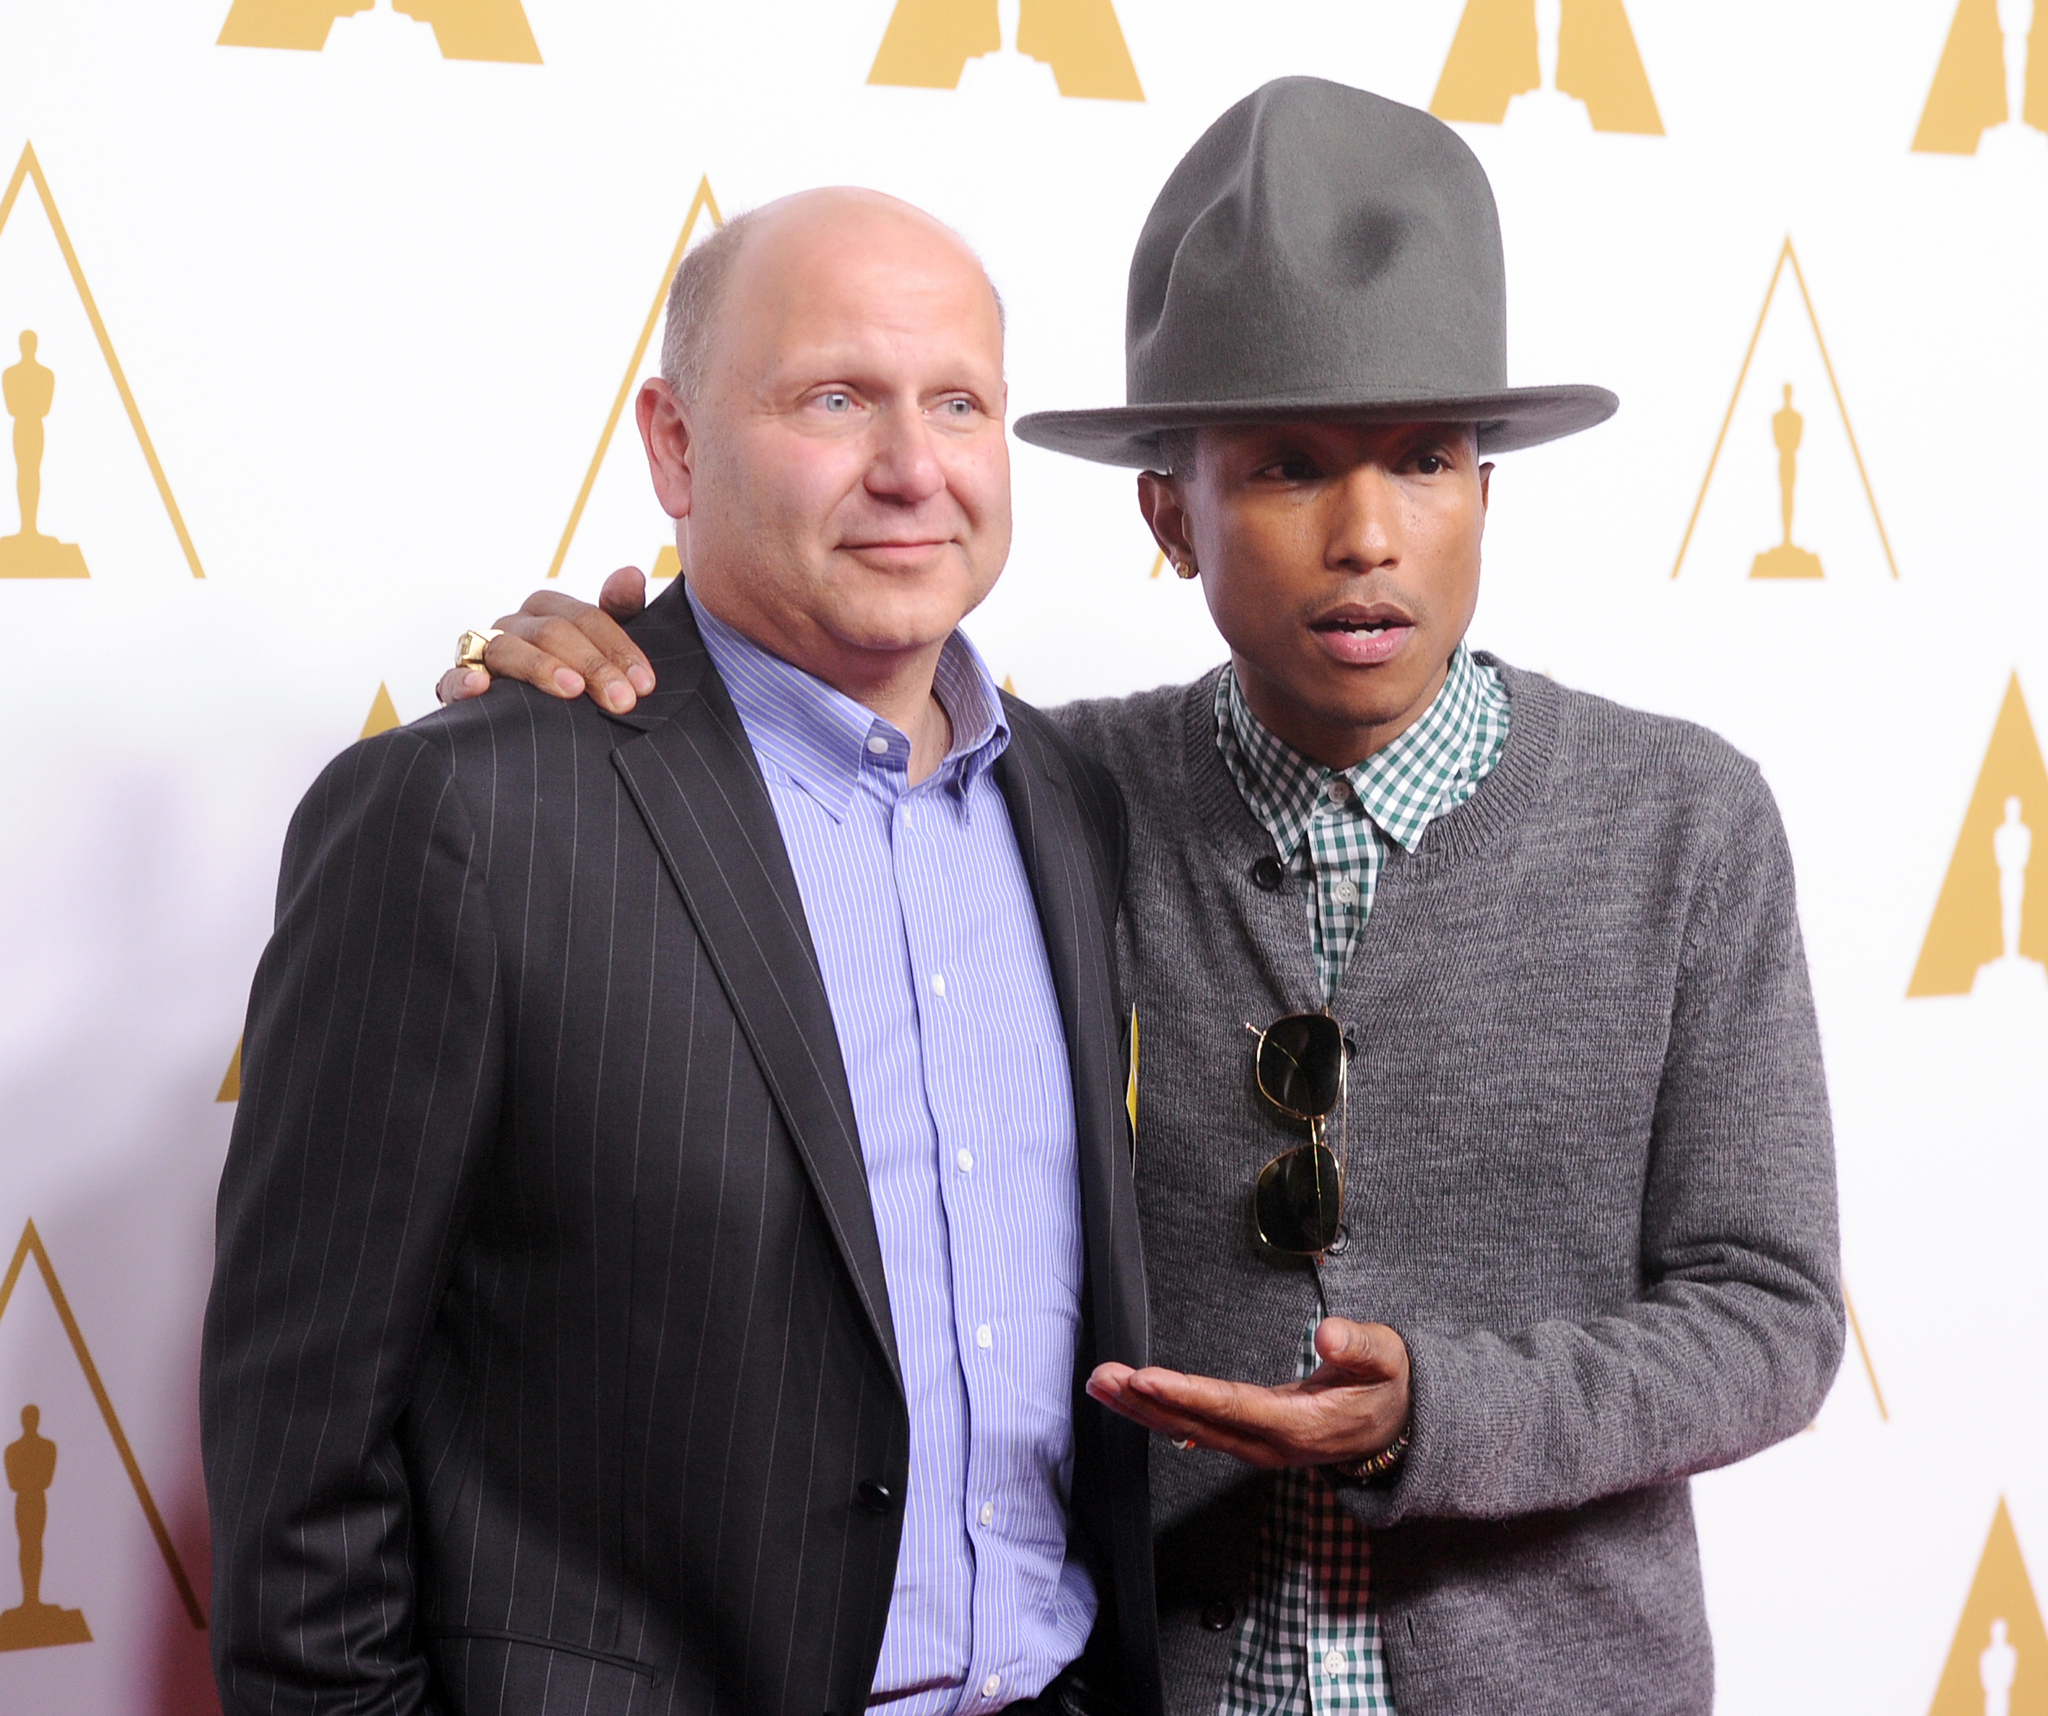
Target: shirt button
{"points": [[1345, 892], [988, 1513], [966, 1160], [878, 744], [1340, 790], [990, 1685], [938, 983], [1333, 1663], [984, 1337]]}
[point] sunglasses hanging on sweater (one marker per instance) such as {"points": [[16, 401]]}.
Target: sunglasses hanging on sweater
{"points": [[1298, 1200]]}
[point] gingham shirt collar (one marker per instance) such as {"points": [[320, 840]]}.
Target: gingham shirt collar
{"points": [[1402, 786]]}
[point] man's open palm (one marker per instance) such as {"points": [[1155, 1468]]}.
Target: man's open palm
{"points": [[1353, 1406]]}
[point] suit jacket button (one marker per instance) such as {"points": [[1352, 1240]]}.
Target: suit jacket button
{"points": [[1266, 874], [1217, 1616], [873, 1496]]}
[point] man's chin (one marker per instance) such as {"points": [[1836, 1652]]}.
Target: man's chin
{"points": [[888, 616]]}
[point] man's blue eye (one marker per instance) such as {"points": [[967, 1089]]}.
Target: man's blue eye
{"points": [[837, 401]]}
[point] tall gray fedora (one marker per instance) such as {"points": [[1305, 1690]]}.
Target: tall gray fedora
{"points": [[1319, 251]]}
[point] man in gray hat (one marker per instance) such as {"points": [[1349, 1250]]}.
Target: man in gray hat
{"points": [[1484, 1163]]}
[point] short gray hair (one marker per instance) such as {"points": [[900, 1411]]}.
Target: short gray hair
{"points": [[693, 300]]}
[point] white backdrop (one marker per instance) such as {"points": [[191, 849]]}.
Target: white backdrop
{"points": [[373, 305]]}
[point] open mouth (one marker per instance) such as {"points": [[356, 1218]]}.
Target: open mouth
{"points": [[1363, 634]]}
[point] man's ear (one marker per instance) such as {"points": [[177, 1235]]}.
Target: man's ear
{"points": [[671, 446], [1485, 483], [1160, 501]]}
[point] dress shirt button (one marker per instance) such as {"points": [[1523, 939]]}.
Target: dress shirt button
{"points": [[878, 744], [1346, 891], [990, 1685], [984, 1337], [966, 1160], [988, 1513], [873, 1496], [1217, 1616], [1333, 1663], [938, 983], [1340, 790], [1266, 874]]}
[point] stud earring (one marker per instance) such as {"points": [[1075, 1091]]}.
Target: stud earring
{"points": [[1184, 569]]}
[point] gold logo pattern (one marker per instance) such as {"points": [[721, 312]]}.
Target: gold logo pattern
{"points": [[1993, 71], [29, 1467], [464, 29], [929, 42], [1510, 50], [665, 564], [1788, 429], [1998, 1664], [1990, 923], [29, 390]]}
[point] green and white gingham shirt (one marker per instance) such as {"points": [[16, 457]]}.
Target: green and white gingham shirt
{"points": [[1349, 815], [1309, 1642]]}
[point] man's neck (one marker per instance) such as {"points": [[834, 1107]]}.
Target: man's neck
{"points": [[1334, 743], [897, 685]]}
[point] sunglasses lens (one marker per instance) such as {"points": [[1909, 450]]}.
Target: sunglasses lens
{"points": [[1301, 1063], [1299, 1198]]}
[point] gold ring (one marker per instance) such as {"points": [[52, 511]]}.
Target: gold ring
{"points": [[470, 647]]}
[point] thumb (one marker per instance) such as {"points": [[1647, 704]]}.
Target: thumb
{"points": [[624, 593], [1366, 1352]]}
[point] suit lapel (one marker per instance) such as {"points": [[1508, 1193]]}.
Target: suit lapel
{"points": [[1045, 818], [694, 778]]}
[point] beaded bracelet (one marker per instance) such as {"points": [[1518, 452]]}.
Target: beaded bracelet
{"points": [[1373, 1465]]}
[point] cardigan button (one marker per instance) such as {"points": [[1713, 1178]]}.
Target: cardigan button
{"points": [[1217, 1616], [1266, 874]]}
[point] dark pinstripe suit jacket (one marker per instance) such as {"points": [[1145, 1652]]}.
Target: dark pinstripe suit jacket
{"points": [[548, 1366]]}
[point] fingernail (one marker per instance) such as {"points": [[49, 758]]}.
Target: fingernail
{"points": [[643, 681], [569, 682], [620, 697]]}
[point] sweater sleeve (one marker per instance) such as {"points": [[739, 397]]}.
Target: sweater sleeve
{"points": [[1738, 1325]]}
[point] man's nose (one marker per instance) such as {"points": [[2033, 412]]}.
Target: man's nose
{"points": [[906, 464], [1363, 523]]}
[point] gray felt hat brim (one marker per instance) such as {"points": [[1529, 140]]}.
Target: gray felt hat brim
{"points": [[1320, 252], [1507, 422]]}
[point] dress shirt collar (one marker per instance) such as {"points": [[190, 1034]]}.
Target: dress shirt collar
{"points": [[822, 739], [1400, 786]]}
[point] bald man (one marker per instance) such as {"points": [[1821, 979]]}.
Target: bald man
{"points": [[681, 1180]]}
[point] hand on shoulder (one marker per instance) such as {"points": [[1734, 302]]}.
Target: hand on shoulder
{"points": [[566, 647]]}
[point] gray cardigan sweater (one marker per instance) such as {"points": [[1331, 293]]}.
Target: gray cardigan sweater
{"points": [[1589, 1178]]}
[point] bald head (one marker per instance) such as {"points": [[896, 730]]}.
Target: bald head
{"points": [[808, 228], [828, 436]]}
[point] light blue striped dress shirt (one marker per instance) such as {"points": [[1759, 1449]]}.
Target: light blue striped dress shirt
{"points": [[935, 967]]}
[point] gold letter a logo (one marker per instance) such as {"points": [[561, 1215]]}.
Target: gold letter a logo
{"points": [[929, 42], [465, 29]]}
